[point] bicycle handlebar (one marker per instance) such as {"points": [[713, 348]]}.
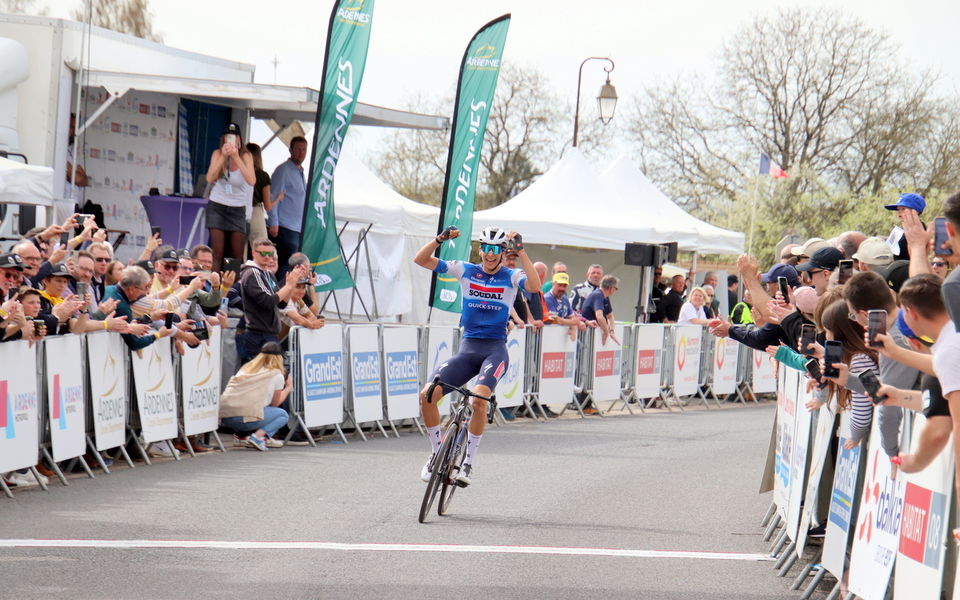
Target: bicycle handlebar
{"points": [[436, 381]]}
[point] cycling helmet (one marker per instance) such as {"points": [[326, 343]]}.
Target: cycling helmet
{"points": [[493, 235]]}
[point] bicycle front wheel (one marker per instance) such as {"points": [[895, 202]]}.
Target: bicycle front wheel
{"points": [[450, 486], [439, 473]]}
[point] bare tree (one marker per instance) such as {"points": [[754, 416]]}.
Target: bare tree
{"points": [[821, 93], [125, 16]]}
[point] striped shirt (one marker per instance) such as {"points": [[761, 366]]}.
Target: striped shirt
{"points": [[862, 417]]}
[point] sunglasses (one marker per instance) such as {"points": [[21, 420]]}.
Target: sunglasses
{"points": [[487, 248], [170, 266], [11, 274], [938, 264], [266, 254], [103, 259]]}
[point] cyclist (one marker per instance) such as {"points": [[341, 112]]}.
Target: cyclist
{"points": [[488, 291]]}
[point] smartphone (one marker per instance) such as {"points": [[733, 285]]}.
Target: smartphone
{"points": [[784, 288], [870, 383], [64, 238], [231, 139], [808, 337], [845, 271], [940, 236], [812, 367], [38, 326], [832, 353], [168, 320], [155, 231], [876, 323], [83, 217], [232, 264], [186, 279], [82, 293]]}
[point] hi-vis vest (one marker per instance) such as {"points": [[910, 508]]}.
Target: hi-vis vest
{"points": [[745, 317]]}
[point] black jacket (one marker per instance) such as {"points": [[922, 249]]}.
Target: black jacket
{"points": [[258, 291]]}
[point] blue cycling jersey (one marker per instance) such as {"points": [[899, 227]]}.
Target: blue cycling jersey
{"points": [[487, 298]]}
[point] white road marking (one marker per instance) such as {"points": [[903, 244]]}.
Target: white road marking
{"points": [[259, 545]]}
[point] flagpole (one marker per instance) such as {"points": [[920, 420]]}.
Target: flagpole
{"points": [[753, 212]]}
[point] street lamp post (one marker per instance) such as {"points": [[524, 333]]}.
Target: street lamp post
{"points": [[606, 99]]}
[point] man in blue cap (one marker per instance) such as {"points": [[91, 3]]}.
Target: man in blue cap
{"points": [[909, 207]]}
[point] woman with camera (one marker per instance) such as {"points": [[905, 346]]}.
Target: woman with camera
{"points": [[232, 174], [251, 402]]}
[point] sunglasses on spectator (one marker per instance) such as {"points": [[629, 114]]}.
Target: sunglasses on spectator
{"points": [[170, 266], [102, 259], [487, 248], [937, 263], [11, 274], [266, 253]]}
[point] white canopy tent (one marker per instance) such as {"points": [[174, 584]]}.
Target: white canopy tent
{"points": [[388, 229], [625, 180], [25, 184]]}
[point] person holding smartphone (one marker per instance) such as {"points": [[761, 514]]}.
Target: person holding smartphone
{"points": [[232, 174]]}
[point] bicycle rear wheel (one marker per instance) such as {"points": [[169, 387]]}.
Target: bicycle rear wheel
{"points": [[440, 462], [449, 486]]}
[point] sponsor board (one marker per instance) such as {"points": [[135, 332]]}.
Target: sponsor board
{"points": [[686, 359], [65, 396], [818, 457], [156, 392], [876, 535], [200, 385], [19, 411], [108, 388], [510, 388], [365, 372], [648, 363], [401, 361], [924, 530], [439, 349], [726, 355], [557, 363], [607, 361], [786, 431], [322, 369], [764, 373], [801, 442], [844, 501]]}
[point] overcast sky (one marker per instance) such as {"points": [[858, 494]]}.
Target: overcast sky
{"points": [[416, 46]]}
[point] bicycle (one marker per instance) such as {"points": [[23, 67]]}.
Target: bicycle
{"points": [[448, 460]]}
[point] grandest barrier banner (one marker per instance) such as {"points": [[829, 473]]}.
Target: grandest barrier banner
{"points": [[648, 366], [726, 356], [557, 365], [510, 388], [19, 411], [156, 392], [479, 71], [65, 402], [605, 363], [686, 359], [348, 38], [363, 342], [401, 359], [876, 536], [108, 388], [439, 349], [321, 363], [924, 532], [844, 501], [200, 385]]}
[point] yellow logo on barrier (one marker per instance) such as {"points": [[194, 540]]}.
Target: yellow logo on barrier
{"points": [[682, 352]]}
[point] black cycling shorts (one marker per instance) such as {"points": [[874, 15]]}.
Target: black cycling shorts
{"points": [[486, 358], [934, 404]]}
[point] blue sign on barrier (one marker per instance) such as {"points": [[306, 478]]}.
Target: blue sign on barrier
{"points": [[366, 373], [402, 375], [844, 486], [323, 374]]}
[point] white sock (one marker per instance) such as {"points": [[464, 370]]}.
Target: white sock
{"points": [[434, 434], [473, 442]]}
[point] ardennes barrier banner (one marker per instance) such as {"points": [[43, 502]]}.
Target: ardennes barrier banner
{"points": [[479, 71], [65, 396], [19, 407], [348, 38]]}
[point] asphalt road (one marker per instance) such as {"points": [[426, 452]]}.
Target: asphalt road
{"points": [[655, 482]]}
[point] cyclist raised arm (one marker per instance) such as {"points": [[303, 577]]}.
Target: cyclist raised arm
{"points": [[488, 290]]}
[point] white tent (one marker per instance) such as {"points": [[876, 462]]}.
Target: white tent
{"points": [[25, 184], [626, 181], [398, 227], [569, 205]]}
